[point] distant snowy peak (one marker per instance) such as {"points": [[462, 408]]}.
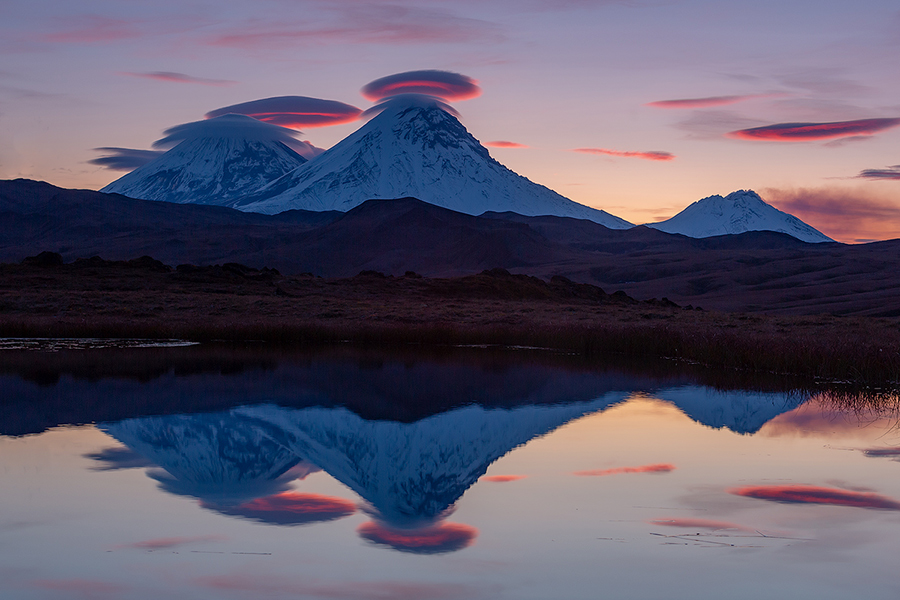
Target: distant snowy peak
{"points": [[214, 162], [738, 212], [415, 148]]}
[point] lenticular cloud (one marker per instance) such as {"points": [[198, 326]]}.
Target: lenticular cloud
{"points": [[293, 111], [445, 85], [802, 132], [228, 126]]}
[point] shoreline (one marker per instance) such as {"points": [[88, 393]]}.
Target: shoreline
{"points": [[145, 299]]}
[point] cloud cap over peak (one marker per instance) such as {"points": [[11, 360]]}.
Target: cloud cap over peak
{"points": [[227, 126], [293, 111], [445, 85]]}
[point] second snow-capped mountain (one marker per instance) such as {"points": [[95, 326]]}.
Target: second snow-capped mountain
{"points": [[414, 147]]}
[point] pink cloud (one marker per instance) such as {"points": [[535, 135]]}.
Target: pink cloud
{"points": [[803, 132], [709, 102], [440, 84], [503, 478], [846, 214], [293, 111], [436, 539], [657, 468], [95, 30], [504, 144], [652, 155], [699, 524], [811, 494], [171, 77], [172, 542], [289, 508]]}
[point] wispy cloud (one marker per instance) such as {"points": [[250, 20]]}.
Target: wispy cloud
{"points": [[804, 132], [847, 214], [94, 29], [656, 468], [504, 144], [122, 159], [503, 478], [707, 102], [651, 155], [811, 494], [687, 523], [171, 542], [172, 77]]}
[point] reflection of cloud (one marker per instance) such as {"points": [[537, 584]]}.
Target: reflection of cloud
{"points": [[658, 468], [699, 524], [440, 84], [115, 458], [293, 111], [289, 508], [652, 155], [172, 77], [844, 214], [503, 478], [124, 159], [811, 494], [503, 144], [266, 586], [892, 172], [435, 539], [882, 452], [707, 102], [87, 588], [802, 132], [171, 542]]}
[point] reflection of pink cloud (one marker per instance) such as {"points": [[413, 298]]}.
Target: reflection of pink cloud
{"points": [[652, 155], [844, 214], [436, 539], [504, 144], [293, 111], [441, 84], [503, 478], [290, 508], [802, 132], [83, 587], [95, 29], [658, 468], [699, 524], [880, 452], [171, 77], [171, 542], [709, 102], [261, 586], [811, 494]]}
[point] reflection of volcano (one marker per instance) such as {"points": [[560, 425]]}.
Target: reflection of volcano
{"points": [[412, 473], [221, 458]]}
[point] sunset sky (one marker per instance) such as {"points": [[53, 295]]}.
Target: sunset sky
{"points": [[638, 107]]}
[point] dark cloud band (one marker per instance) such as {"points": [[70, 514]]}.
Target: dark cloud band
{"points": [[888, 173], [124, 159], [810, 494]]}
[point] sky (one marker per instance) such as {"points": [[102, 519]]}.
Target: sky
{"points": [[637, 107]]}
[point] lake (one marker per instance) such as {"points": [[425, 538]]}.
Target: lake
{"points": [[223, 472]]}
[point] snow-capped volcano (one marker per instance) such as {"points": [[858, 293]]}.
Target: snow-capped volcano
{"points": [[737, 212], [414, 147], [215, 161]]}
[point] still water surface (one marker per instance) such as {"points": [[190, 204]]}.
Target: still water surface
{"points": [[370, 478]]}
